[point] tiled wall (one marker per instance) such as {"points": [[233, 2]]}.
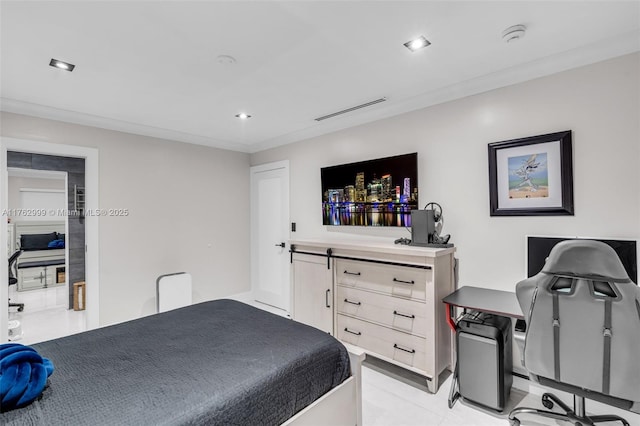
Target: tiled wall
{"points": [[75, 171]]}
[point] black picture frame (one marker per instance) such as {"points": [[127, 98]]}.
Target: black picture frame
{"points": [[532, 176]]}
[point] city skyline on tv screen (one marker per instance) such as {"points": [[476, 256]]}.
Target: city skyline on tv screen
{"points": [[380, 192]]}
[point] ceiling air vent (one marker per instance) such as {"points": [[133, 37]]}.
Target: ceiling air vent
{"points": [[344, 111]]}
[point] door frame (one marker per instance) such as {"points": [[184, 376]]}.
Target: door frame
{"points": [[92, 260], [254, 170]]}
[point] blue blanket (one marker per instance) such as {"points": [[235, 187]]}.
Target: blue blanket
{"points": [[23, 375]]}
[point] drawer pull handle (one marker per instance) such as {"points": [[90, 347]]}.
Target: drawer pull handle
{"points": [[357, 333], [411, 351], [351, 273], [403, 315], [403, 282], [353, 303]]}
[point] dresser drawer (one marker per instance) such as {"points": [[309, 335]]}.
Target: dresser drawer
{"points": [[400, 281], [400, 314], [395, 345]]}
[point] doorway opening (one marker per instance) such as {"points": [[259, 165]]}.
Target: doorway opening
{"points": [[80, 166], [40, 237]]}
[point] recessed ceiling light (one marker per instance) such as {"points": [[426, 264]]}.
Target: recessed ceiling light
{"points": [[417, 43], [62, 65], [243, 116]]}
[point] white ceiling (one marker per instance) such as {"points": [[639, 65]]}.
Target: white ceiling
{"points": [[151, 68]]}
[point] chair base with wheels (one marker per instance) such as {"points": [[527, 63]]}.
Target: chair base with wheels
{"points": [[20, 306], [577, 415]]}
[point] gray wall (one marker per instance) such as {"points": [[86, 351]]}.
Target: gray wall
{"points": [[188, 211]]}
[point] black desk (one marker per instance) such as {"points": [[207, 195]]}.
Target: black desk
{"points": [[496, 302]]}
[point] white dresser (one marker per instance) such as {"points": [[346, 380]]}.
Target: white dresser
{"points": [[381, 297]]}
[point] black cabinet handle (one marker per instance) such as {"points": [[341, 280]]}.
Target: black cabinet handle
{"points": [[411, 351], [403, 315], [351, 273], [353, 303], [326, 298], [395, 280], [357, 333]]}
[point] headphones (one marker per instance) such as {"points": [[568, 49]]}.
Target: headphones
{"points": [[437, 213]]}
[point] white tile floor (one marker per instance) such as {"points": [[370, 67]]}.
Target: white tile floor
{"points": [[390, 396], [41, 299], [48, 324]]}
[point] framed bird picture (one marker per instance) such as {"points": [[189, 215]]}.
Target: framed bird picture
{"points": [[531, 176]]}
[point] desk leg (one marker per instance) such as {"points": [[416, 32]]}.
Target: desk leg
{"points": [[451, 317], [453, 393]]}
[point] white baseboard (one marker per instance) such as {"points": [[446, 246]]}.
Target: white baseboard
{"points": [[247, 297]]}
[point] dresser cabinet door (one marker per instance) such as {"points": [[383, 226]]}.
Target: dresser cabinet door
{"points": [[312, 291]]}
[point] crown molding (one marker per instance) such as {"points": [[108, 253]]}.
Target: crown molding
{"points": [[42, 111]]}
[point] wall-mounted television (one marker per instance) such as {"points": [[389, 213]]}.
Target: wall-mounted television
{"points": [[379, 192], [538, 249]]}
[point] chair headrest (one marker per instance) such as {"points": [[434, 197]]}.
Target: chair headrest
{"points": [[586, 259]]}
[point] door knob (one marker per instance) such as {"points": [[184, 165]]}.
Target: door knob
{"points": [[281, 245]]}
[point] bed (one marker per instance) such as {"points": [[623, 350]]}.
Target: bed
{"points": [[217, 362], [43, 247]]}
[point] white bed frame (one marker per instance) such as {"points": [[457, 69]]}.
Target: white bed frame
{"points": [[341, 406]]}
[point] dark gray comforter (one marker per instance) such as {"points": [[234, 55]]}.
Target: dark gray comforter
{"points": [[220, 362]]}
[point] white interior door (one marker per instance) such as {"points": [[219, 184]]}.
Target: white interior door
{"points": [[270, 234]]}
